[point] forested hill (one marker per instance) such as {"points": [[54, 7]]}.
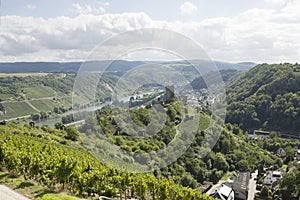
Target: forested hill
{"points": [[267, 96]]}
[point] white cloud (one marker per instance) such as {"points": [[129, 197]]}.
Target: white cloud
{"points": [[188, 8], [276, 2], [30, 6], [259, 35], [87, 9], [56, 38]]}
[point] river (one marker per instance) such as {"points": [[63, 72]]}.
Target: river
{"points": [[52, 121]]}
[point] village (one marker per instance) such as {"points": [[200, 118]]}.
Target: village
{"points": [[247, 185]]}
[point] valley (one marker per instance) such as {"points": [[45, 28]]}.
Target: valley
{"points": [[83, 169]]}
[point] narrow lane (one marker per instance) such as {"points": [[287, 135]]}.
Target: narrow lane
{"points": [[8, 194], [252, 186]]}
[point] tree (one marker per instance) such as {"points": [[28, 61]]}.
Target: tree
{"points": [[291, 183], [188, 181], [44, 115], [216, 175], [264, 191], [72, 133], [67, 119], [290, 153], [225, 146], [56, 110], [59, 126], [243, 165], [220, 162], [35, 117]]}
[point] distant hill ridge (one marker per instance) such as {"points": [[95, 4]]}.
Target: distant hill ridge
{"points": [[118, 65]]}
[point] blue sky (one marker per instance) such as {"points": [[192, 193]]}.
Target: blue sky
{"points": [[228, 30]]}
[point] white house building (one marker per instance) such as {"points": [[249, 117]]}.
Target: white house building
{"points": [[223, 192]]}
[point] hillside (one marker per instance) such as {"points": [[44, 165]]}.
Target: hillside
{"points": [[267, 97], [28, 152], [232, 152], [43, 95], [199, 83], [118, 65], [51, 67]]}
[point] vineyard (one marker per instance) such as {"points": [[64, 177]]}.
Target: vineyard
{"points": [[45, 156]]}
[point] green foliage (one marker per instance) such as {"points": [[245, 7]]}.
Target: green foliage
{"points": [[59, 126], [38, 92], [67, 119], [17, 109], [290, 153], [273, 143], [232, 152], [56, 197], [52, 92], [37, 154], [267, 96], [72, 133], [44, 105], [264, 191], [291, 183], [220, 162]]}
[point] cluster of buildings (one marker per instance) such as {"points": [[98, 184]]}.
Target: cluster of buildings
{"points": [[281, 153], [239, 187], [235, 188], [272, 177], [195, 99]]}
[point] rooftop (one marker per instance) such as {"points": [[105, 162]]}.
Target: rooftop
{"points": [[225, 190]]}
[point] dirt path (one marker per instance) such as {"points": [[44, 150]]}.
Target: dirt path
{"points": [[34, 108], [8, 194]]}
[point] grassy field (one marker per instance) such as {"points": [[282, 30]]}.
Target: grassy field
{"points": [[43, 105], [16, 109], [21, 74], [39, 92], [5, 96], [56, 197], [67, 101]]}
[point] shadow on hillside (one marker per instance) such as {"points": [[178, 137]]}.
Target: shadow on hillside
{"points": [[24, 185], [2, 176]]}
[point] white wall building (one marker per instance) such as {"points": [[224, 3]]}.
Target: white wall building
{"points": [[223, 192]]}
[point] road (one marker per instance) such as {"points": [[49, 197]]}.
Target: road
{"points": [[252, 186], [8, 194], [16, 118]]}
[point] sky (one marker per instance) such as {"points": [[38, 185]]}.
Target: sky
{"points": [[227, 30]]}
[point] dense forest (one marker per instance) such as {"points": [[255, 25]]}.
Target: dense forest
{"points": [[233, 151], [266, 97]]}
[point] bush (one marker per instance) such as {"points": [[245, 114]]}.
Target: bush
{"points": [[72, 133]]}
